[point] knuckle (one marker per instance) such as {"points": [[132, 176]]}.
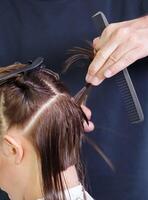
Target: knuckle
{"points": [[113, 58], [92, 70], [134, 39], [96, 47], [98, 55], [122, 32], [107, 31], [110, 28], [125, 30], [114, 69], [101, 55], [127, 59], [95, 42], [113, 26]]}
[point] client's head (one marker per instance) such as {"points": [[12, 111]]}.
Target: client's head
{"points": [[41, 129]]}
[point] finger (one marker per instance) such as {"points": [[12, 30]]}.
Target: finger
{"points": [[115, 56], [96, 44], [99, 60], [88, 127], [126, 60], [87, 111], [107, 33]]}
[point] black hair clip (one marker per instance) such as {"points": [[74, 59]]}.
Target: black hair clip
{"points": [[50, 72], [36, 63], [44, 69]]}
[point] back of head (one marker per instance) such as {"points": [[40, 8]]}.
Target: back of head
{"points": [[37, 103]]}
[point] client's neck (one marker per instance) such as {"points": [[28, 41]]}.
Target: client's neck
{"points": [[70, 177]]}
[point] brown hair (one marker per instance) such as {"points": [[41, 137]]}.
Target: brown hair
{"points": [[85, 55], [39, 104]]}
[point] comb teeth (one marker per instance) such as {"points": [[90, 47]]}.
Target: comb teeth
{"points": [[128, 93]]}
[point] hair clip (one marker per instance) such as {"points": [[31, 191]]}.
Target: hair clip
{"points": [[36, 63], [50, 72]]}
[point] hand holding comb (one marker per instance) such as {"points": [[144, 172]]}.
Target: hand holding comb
{"points": [[128, 92]]}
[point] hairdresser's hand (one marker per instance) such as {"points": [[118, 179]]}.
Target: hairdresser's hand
{"points": [[87, 127], [120, 45]]}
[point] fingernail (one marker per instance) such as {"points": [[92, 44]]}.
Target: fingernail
{"points": [[107, 73], [96, 81], [89, 78]]}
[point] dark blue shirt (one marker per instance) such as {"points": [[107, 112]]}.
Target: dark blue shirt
{"points": [[48, 28]]}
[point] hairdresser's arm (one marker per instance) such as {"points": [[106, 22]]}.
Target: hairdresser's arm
{"points": [[120, 45], [88, 127]]}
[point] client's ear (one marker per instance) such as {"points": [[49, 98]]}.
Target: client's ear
{"points": [[12, 149]]}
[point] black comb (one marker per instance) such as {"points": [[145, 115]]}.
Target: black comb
{"points": [[133, 107], [36, 63]]}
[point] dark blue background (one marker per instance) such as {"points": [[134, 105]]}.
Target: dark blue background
{"points": [[49, 28]]}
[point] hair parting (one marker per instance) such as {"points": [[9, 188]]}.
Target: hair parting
{"points": [[39, 104]]}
